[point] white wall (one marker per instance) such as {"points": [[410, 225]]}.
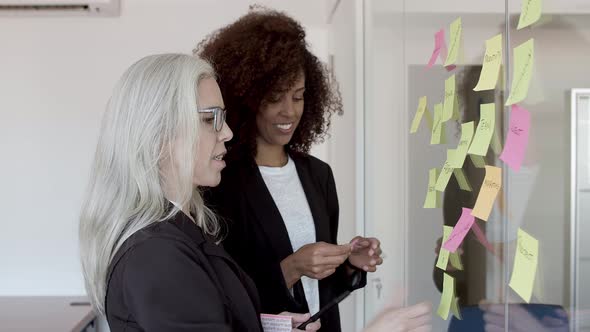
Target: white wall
{"points": [[56, 76]]}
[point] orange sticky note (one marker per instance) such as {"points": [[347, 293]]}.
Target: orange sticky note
{"points": [[492, 184]]}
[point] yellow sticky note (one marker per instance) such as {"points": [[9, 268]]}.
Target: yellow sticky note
{"points": [[456, 33], [446, 172], [450, 97], [530, 13], [462, 179], [525, 265], [467, 130], [492, 61], [421, 112], [492, 184], [478, 161], [524, 58], [485, 130], [447, 297], [433, 199], [438, 127]]}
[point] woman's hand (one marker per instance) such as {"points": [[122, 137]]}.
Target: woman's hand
{"points": [[315, 260], [298, 319], [410, 319], [366, 253]]}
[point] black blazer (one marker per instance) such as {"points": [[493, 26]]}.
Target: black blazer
{"points": [[258, 240], [171, 277]]}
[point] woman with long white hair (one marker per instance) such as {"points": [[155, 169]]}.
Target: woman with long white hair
{"points": [[148, 244]]}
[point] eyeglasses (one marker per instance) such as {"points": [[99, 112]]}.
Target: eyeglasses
{"points": [[218, 116]]}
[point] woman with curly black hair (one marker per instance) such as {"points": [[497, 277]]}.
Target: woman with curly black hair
{"points": [[279, 203]]}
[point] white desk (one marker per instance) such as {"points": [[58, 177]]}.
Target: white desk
{"points": [[44, 313]]}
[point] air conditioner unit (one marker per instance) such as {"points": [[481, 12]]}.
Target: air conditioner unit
{"points": [[59, 7]]}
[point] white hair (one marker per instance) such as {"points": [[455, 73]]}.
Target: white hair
{"points": [[153, 105]]}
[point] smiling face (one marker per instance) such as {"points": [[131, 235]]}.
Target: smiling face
{"points": [[211, 146], [279, 115]]}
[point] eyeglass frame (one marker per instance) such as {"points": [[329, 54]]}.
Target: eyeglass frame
{"points": [[216, 110]]}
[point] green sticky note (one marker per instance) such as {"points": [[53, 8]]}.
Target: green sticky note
{"points": [[444, 254], [492, 61], [524, 58], [456, 33], [455, 308], [495, 144], [450, 97], [456, 115], [438, 127], [530, 13], [478, 161], [453, 257], [462, 179], [467, 130], [455, 260], [447, 297], [525, 265], [446, 172], [485, 130], [433, 198], [419, 114]]}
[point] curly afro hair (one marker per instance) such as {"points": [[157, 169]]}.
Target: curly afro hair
{"points": [[259, 56]]}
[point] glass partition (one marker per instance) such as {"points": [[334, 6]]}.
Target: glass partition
{"points": [[522, 285]]}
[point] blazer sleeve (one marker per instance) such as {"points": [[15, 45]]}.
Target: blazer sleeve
{"points": [[166, 289], [343, 281]]}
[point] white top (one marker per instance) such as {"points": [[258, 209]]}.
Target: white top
{"points": [[286, 190]]}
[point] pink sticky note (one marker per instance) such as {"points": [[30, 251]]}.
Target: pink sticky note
{"points": [[439, 43], [481, 237], [459, 231], [517, 138], [440, 50]]}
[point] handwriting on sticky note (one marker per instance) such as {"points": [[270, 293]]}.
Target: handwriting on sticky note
{"points": [[530, 13], [449, 101], [525, 265], [422, 111], [433, 197], [438, 127], [485, 130], [518, 137], [447, 297], [459, 231], [467, 130], [456, 32], [488, 193], [524, 58], [276, 323], [446, 172], [491, 64]]}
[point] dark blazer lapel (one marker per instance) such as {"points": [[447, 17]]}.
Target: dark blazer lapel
{"points": [[316, 202], [211, 249], [266, 211]]}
